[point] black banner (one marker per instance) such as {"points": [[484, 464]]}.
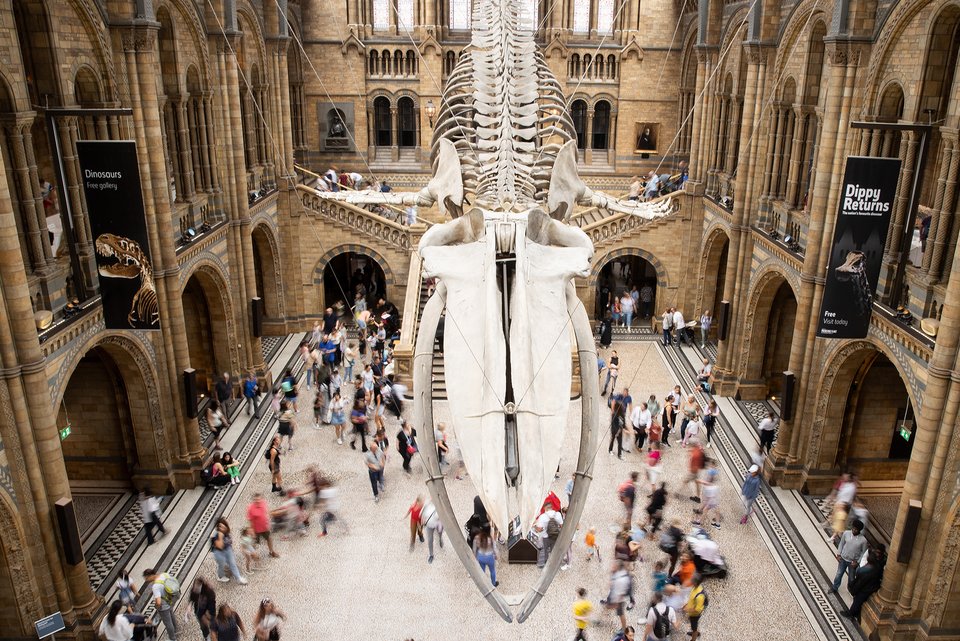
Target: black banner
{"points": [[866, 203], [111, 183]]}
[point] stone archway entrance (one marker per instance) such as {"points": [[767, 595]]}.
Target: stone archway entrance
{"points": [[207, 336], [622, 274], [265, 272], [768, 356], [350, 273], [714, 271]]}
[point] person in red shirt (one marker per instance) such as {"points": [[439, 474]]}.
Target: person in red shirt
{"points": [[697, 461], [258, 514], [416, 527]]}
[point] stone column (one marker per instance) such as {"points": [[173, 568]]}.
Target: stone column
{"points": [[785, 460], [78, 205], [774, 187], [588, 148], [733, 133], [34, 179], [139, 47], [34, 418], [796, 153], [740, 229], [698, 141], [944, 207], [25, 196], [196, 152], [203, 125]]}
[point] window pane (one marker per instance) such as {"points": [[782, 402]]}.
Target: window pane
{"points": [[381, 14], [528, 14], [605, 17], [581, 16], [459, 14], [405, 17]]}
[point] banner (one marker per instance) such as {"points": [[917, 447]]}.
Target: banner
{"points": [[111, 184], [866, 203]]}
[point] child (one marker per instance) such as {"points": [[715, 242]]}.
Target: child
{"points": [[249, 546], [337, 416], [590, 540], [581, 613], [659, 576], [232, 467], [128, 591]]}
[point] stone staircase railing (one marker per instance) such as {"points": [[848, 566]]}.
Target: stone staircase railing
{"points": [[355, 218], [604, 226]]}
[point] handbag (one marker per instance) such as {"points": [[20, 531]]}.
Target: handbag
{"points": [[411, 450]]}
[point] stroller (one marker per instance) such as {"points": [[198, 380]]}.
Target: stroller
{"points": [[706, 554], [292, 516]]}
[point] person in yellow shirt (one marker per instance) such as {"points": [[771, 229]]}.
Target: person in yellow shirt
{"points": [[696, 603], [581, 613]]}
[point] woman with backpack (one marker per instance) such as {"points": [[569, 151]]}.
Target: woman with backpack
{"points": [[660, 619]]}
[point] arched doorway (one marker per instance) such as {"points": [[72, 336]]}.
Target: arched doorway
{"points": [[206, 323], [601, 124], [350, 273], [407, 122], [578, 112], [621, 274], [264, 271], [714, 272], [383, 128], [771, 335]]}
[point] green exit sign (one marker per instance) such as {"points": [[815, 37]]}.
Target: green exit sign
{"points": [[65, 432], [905, 433]]}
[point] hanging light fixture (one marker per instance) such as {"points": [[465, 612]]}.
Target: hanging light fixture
{"points": [[431, 110]]}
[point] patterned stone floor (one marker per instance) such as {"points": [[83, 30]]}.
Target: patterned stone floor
{"points": [[366, 584]]}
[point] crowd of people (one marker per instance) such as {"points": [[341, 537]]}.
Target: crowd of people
{"points": [[336, 180]]}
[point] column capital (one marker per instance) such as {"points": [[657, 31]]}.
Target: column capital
{"points": [[843, 52], [756, 52], [140, 37]]}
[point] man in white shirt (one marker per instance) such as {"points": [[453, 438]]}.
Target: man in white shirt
{"points": [[627, 307], [679, 326], [150, 514], [620, 583], [664, 611], [768, 429], [640, 418], [542, 528], [667, 325]]}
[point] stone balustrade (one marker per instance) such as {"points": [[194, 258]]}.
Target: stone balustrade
{"points": [[356, 218]]}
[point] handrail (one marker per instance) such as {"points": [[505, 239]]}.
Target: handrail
{"points": [[392, 231], [348, 188], [411, 302]]}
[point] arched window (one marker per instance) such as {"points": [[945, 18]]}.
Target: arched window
{"points": [[450, 62], [373, 63], [383, 130], [598, 67], [398, 63], [411, 69], [381, 14], [385, 59], [587, 66], [406, 19], [612, 67], [460, 14], [605, 17], [601, 125], [407, 122], [578, 112], [581, 16]]}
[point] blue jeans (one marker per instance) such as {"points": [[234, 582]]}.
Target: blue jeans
{"points": [[628, 319], [376, 480], [309, 376], [606, 383], [667, 339], [843, 567], [227, 559], [488, 562]]}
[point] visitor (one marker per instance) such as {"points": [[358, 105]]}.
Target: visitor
{"points": [[667, 322], [627, 308], [693, 431], [227, 626], [358, 418], [627, 634], [680, 328], [652, 188], [706, 321], [337, 416], [266, 623], [691, 412], [288, 384], [374, 460], [328, 500], [273, 463], [670, 541], [590, 541], [116, 626], [613, 371], [635, 187], [165, 590], [432, 527], [710, 498], [697, 461], [749, 491], [221, 544], [407, 444], [669, 420], [440, 436], [258, 515], [703, 376], [627, 493], [646, 301], [486, 554], [203, 603], [768, 430], [251, 390], [850, 549], [248, 545], [617, 423], [321, 403], [696, 604], [216, 421], [619, 589], [286, 424], [710, 420], [581, 613], [606, 331], [224, 392], [416, 527], [306, 355], [547, 528], [128, 593], [868, 579], [150, 513], [655, 507], [640, 419]]}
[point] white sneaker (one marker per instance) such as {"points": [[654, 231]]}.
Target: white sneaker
{"points": [[339, 441], [564, 567], [223, 579], [242, 581]]}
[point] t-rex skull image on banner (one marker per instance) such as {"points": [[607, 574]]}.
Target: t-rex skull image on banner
{"points": [[505, 169], [111, 185]]}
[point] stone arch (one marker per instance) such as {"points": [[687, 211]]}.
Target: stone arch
{"points": [[249, 15], [267, 261], [8, 97], [891, 100], [86, 86], [197, 32], [947, 576], [594, 100], [715, 246], [388, 272], [219, 334], [841, 365], [757, 340], [91, 17], [663, 279], [133, 365], [17, 581]]}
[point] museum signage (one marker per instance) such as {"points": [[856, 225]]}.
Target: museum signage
{"points": [[863, 216], [111, 184]]}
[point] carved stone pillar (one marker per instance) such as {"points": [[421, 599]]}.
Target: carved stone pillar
{"points": [[796, 155], [733, 133], [202, 106], [698, 140], [34, 180], [945, 205], [25, 197], [778, 142], [183, 135]]}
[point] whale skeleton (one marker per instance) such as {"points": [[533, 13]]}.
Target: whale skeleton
{"points": [[505, 265]]}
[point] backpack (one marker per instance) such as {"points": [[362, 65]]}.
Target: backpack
{"points": [[266, 454], [171, 588], [661, 626], [553, 529]]}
